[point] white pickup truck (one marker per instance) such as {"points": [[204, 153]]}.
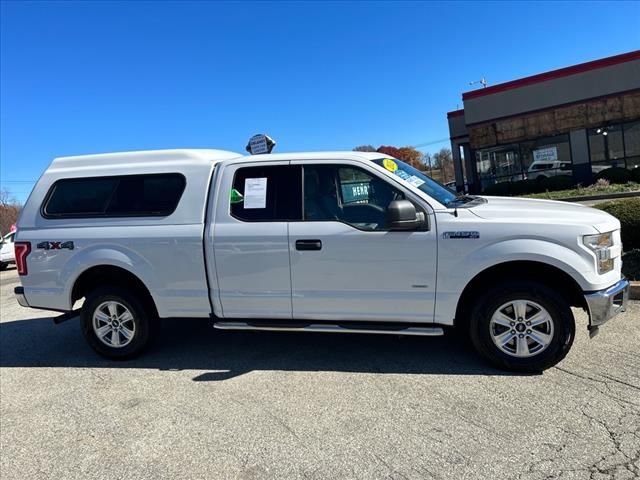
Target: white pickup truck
{"points": [[323, 242]]}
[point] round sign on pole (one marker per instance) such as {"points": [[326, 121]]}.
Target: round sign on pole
{"points": [[260, 144]]}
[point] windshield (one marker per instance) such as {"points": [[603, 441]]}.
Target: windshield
{"points": [[415, 177]]}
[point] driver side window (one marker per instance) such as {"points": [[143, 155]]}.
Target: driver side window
{"points": [[347, 194]]}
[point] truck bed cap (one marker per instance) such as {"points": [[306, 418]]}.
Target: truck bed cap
{"points": [[144, 156]]}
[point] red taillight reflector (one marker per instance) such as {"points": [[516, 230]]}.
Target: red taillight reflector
{"points": [[22, 249]]}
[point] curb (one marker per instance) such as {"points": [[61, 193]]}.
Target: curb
{"points": [[605, 196], [634, 291]]}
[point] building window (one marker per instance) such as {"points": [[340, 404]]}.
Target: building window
{"points": [[606, 148], [546, 157], [632, 144], [499, 164], [614, 146], [533, 160]]}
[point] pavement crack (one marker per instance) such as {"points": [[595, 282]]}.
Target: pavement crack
{"points": [[621, 381], [272, 416], [605, 383], [578, 375], [631, 462], [389, 467]]}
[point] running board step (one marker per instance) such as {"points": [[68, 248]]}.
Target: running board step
{"points": [[332, 328]]}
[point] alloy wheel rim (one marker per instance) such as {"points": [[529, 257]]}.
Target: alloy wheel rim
{"points": [[521, 328], [113, 324]]}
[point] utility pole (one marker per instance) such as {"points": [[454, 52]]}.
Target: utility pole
{"points": [[428, 158]]}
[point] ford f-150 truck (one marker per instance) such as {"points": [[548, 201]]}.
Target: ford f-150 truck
{"points": [[324, 242]]}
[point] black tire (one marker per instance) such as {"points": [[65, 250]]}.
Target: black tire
{"points": [[559, 310], [3, 266], [142, 324]]}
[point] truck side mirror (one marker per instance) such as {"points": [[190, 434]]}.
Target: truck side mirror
{"points": [[402, 215]]}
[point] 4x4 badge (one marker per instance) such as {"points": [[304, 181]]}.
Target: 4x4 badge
{"points": [[55, 245]]}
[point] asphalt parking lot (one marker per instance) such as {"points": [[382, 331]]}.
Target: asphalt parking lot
{"points": [[208, 404]]}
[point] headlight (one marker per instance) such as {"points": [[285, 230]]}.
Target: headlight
{"points": [[600, 245]]}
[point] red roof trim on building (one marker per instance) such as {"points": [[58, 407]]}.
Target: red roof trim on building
{"points": [[455, 113], [562, 72]]}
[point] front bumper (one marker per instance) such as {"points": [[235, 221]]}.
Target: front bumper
{"points": [[19, 293], [606, 304]]}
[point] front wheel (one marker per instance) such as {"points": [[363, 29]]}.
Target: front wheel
{"points": [[525, 327], [115, 323]]}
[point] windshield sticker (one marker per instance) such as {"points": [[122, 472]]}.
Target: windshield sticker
{"points": [[402, 174], [412, 179], [236, 196], [255, 193], [458, 235], [390, 165], [415, 181]]}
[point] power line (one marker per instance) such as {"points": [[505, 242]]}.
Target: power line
{"points": [[432, 142]]}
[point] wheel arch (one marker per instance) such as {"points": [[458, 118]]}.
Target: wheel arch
{"points": [[529, 270], [109, 275]]}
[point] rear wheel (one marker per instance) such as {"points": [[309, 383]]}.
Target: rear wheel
{"points": [[3, 265], [115, 323], [523, 326]]}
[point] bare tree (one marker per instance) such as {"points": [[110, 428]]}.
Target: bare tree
{"points": [[9, 210], [5, 197], [444, 161], [364, 148]]}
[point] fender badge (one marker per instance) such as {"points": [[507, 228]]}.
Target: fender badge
{"points": [[461, 235], [55, 245]]}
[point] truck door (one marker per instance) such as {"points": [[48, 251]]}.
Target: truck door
{"points": [[254, 204], [345, 263]]}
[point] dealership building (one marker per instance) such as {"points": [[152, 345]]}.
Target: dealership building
{"points": [[575, 121]]}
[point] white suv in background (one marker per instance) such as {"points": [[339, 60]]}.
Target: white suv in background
{"points": [[543, 169], [7, 254]]}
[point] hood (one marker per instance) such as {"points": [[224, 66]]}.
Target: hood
{"points": [[544, 211]]}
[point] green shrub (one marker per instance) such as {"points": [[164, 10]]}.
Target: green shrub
{"points": [[557, 182], [635, 175], [535, 186], [501, 189], [628, 212], [522, 187], [615, 175]]}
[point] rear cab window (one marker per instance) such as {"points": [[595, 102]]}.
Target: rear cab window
{"points": [[117, 196]]}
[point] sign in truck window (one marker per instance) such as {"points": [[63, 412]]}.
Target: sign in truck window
{"points": [[255, 193], [355, 192]]}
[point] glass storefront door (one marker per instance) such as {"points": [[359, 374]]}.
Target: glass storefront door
{"points": [[501, 164]]}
